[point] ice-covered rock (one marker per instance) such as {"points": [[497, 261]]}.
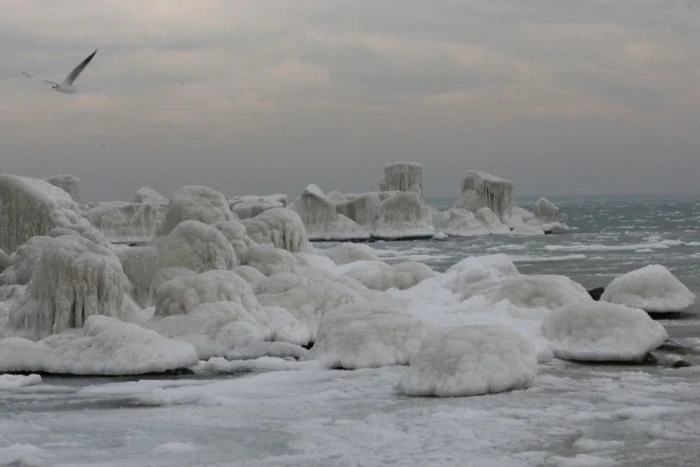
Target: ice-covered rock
{"points": [[271, 261], [470, 361], [337, 197], [491, 221], [5, 261], [528, 229], [237, 235], [164, 275], [31, 207], [350, 252], [191, 245], [601, 331], [287, 328], [548, 212], [124, 222], [251, 275], [322, 220], [458, 223], [147, 194], [362, 209], [104, 346], [18, 381], [652, 288], [68, 183], [381, 276], [540, 291], [404, 215], [193, 202], [23, 261], [481, 189], [278, 228], [476, 275], [73, 279], [248, 206], [365, 335], [403, 176]]}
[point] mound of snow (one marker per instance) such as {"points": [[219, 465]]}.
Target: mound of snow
{"points": [[540, 291], [380, 276], [18, 381], [404, 215], [278, 228], [237, 235], [198, 203], [106, 346], [68, 183], [601, 331], [286, 328], [458, 223], [73, 279], [249, 206], [403, 176], [652, 288], [363, 335], [483, 190], [270, 261], [469, 361], [32, 207], [475, 275], [350, 252]]}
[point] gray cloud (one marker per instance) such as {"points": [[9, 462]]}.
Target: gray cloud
{"points": [[561, 96]]}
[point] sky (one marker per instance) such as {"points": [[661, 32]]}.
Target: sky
{"points": [[268, 96]]}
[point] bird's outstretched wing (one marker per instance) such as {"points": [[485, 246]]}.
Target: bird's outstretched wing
{"points": [[28, 76], [73, 75]]}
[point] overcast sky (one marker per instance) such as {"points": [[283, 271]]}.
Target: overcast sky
{"points": [[267, 96]]}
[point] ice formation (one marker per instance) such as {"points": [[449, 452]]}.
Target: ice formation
{"points": [[250, 206], [404, 215], [104, 346], [540, 291], [147, 194], [652, 288], [322, 219], [191, 245], [32, 207], [363, 335], [548, 212], [278, 228], [5, 261], [23, 261], [73, 279], [124, 222], [271, 261], [363, 209], [601, 331], [18, 381], [403, 176], [380, 276], [68, 183], [481, 189], [458, 223], [470, 361], [195, 202], [491, 221], [349, 252], [236, 234], [477, 275]]}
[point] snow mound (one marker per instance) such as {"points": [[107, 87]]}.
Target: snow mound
{"points": [[380, 276], [540, 291], [19, 381], [191, 244], [601, 331], [458, 223], [249, 206], [481, 189], [270, 261], [365, 335], [350, 252], [73, 279], [404, 215], [164, 275], [491, 221], [68, 183], [198, 203], [236, 234], [652, 288], [475, 275], [403, 176], [278, 228], [106, 346], [286, 328], [251, 275], [32, 207], [470, 361], [147, 194]]}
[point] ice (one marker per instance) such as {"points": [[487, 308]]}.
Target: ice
{"points": [[349, 252], [174, 448], [363, 209], [539, 291], [404, 215], [458, 223], [287, 328], [481, 189], [68, 183], [194, 202], [147, 194], [23, 261], [22, 455], [278, 228], [322, 220], [237, 235], [73, 279], [601, 331], [581, 460], [380, 276], [248, 206], [477, 274], [104, 346], [548, 212], [261, 349], [470, 361], [18, 381], [124, 222], [32, 207], [652, 288], [491, 221], [362, 335], [403, 176], [272, 261]]}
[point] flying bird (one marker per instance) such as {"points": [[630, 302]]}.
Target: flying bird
{"points": [[66, 86]]}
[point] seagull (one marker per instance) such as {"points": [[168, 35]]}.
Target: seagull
{"points": [[66, 86]]}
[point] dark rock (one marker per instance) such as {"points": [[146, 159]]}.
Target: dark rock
{"points": [[596, 293]]}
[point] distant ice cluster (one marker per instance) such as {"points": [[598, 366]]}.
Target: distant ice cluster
{"points": [[202, 282]]}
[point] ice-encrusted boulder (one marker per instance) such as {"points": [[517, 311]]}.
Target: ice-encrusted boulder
{"points": [[365, 335], [271, 261], [337, 197], [470, 361], [404, 215], [350, 252], [458, 223], [68, 183], [491, 221], [477, 275], [124, 222], [251, 275], [403, 176], [248, 206], [540, 291], [104, 346], [652, 288], [31, 207], [73, 279], [146, 194], [5, 261], [237, 235], [23, 261], [193, 202], [164, 275], [377, 275], [601, 331], [547, 212], [278, 228], [322, 220], [481, 189], [191, 244], [363, 209]]}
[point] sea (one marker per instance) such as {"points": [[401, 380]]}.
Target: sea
{"points": [[573, 415]]}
